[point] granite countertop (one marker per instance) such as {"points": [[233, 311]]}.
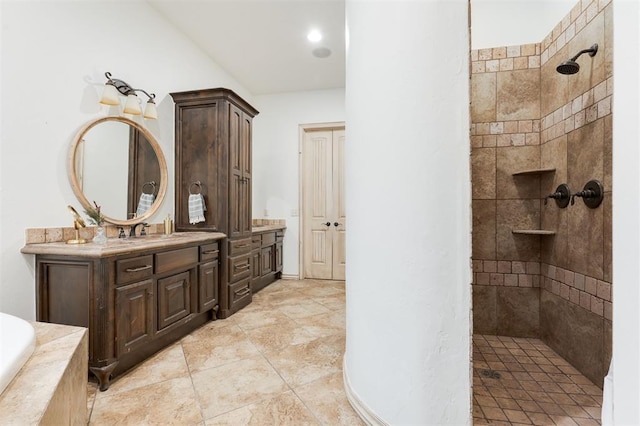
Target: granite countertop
{"points": [[116, 246], [265, 228]]}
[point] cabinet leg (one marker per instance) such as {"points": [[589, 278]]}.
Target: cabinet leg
{"points": [[103, 374]]}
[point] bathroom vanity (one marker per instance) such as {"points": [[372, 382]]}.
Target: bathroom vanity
{"points": [[135, 295]]}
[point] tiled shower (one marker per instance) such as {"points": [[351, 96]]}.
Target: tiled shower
{"points": [[526, 117]]}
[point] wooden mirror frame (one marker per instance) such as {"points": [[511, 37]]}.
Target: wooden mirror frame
{"points": [[73, 175]]}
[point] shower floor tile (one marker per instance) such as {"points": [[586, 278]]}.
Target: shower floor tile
{"points": [[523, 381]]}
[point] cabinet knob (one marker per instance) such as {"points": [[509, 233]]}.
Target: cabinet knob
{"points": [[336, 224], [327, 224]]}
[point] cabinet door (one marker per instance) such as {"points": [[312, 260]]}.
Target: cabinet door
{"points": [[267, 260], [256, 260], [174, 299], [208, 286], [278, 256], [239, 173], [134, 315], [197, 156]]}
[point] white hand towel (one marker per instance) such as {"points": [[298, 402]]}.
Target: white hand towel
{"points": [[196, 208], [146, 200]]}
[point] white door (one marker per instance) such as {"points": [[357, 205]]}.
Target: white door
{"points": [[323, 204]]}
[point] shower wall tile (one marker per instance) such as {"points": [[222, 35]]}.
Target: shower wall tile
{"points": [[592, 69], [574, 333], [553, 154], [607, 204], [518, 95], [554, 249], [515, 159], [483, 101], [518, 311], [585, 154], [484, 309], [608, 41], [517, 214], [483, 173], [484, 229], [607, 154], [607, 345], [586, 240]]}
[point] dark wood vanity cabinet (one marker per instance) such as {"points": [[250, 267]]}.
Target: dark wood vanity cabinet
{"points": [[266, 258], [133, 304], [213, 157]]}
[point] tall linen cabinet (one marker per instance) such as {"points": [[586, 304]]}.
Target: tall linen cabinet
{"points": [[213, 158]]}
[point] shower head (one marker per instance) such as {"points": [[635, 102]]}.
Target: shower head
{"points": [[571, 66]]}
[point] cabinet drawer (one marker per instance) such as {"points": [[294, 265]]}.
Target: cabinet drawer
{"points": [[239, 267], [135, 268], [256, 241], [176, 259], [239, 246], [268, 238], [209, 252], [279, 236], [239, 293]]}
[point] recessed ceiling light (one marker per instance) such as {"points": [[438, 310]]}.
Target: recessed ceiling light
{"points": [[321, 52], [314, 36]]}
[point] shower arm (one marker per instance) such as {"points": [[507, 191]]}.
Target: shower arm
{"points": [[591, 51]]}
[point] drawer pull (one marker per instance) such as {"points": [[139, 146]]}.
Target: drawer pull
{"points": [[242, 292], [242, 245], [241, 267], [138, 268], [210, 252]]}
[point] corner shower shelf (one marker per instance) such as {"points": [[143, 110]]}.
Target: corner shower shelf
{"points": [[534, 172], [532, 232]]}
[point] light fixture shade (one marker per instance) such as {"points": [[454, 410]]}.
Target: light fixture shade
{"points": [[150, 111], [110, 95], [132, 106]]}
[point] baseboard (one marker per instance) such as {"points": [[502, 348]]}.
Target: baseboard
{"points": [[362, 409], [290, 277]]}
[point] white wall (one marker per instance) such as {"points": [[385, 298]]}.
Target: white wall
{"points": [[54, 55], [497, 23], [626, 212], [276, 156], [408, 211]]}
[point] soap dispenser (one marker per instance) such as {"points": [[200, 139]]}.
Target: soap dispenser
{"points": [[168, 225]]}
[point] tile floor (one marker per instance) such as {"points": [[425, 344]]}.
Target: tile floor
{"points": [[535, 385], [278, 361]]}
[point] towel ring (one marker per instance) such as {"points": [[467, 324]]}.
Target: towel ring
{"points": [[152, 184], [198, 187]]}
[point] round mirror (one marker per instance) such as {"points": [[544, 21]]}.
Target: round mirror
{"points": [[118, 164]]}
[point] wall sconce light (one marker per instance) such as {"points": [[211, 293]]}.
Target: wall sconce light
{"points": [[114, 87]]}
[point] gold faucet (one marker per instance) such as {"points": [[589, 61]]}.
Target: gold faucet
{"points": [[77, 223]]}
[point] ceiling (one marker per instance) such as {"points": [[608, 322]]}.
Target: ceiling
{"points": [[263, 43]]}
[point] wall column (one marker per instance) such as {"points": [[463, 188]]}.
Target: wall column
{"points": [[408, 190]]}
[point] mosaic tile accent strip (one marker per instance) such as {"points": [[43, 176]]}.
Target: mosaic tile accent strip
{"points": [[584, 109], [529, 383], [590, 293], [505, 133], [506, 58], [581, 14]]}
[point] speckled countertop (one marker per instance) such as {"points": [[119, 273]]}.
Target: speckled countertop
{"points": [[116, 246], [265, 228]]}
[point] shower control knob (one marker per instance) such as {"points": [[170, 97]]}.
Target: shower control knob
{"points": [[592, 194], [562, 196]]}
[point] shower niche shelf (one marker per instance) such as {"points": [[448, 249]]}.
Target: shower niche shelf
{"points": [[534, 172], [532, 232]]}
